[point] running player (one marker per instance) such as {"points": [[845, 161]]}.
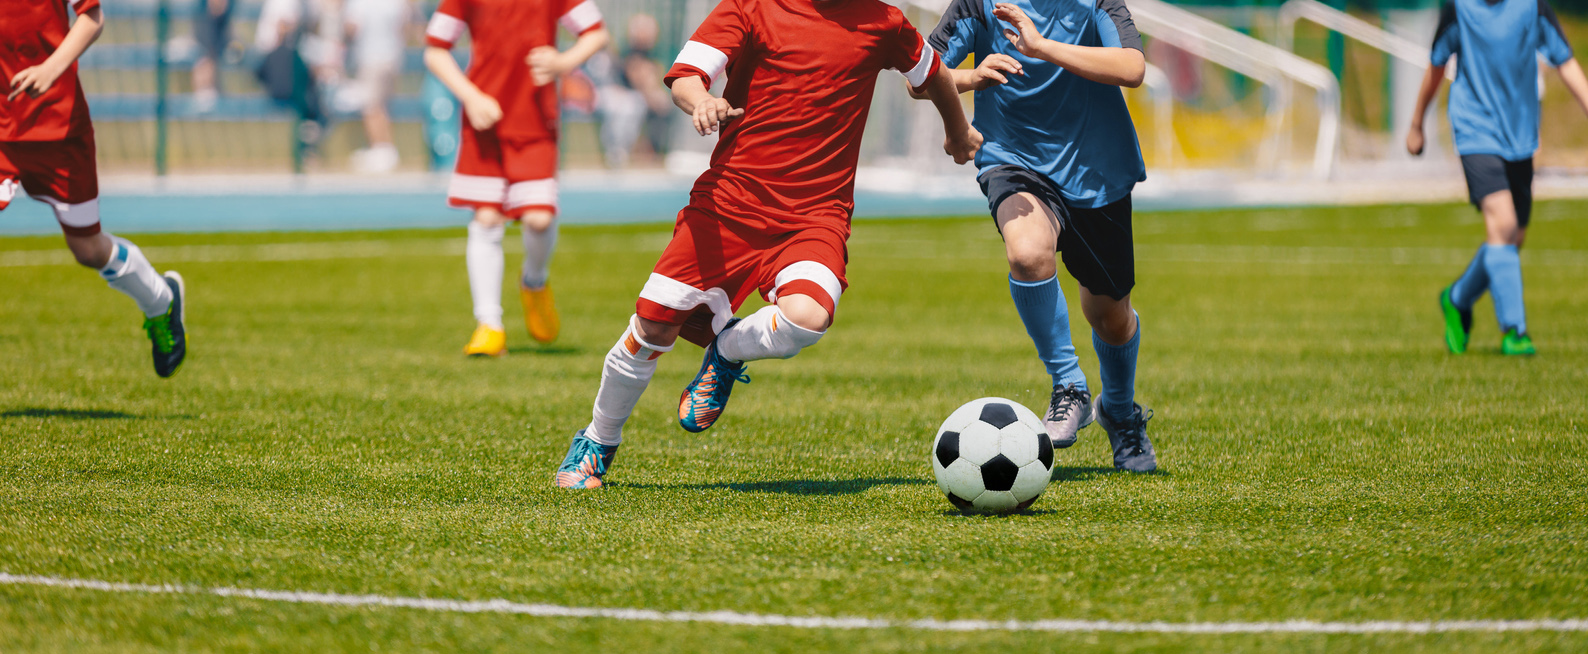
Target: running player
{"points": [[47, 151], [1058, 169], [507, 160], [1494, 114], [772, 213]]}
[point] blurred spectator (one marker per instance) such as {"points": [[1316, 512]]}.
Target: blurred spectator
{"points": [[212, 22], [634, 99], [285, 37], [378, 30]]}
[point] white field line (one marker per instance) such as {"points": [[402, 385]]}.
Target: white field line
{"points": [[809, 622], [1230, 254]]}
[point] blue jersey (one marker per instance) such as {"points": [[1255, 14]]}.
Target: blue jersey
{"points": [[1075, 131], [1494, 100]]}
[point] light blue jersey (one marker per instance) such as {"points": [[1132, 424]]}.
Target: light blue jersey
{"points": [[1074, 131], [1494, 100]]}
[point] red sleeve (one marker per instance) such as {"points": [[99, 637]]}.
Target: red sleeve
{"points": [[714, 45], [81, 7], [908, 53], [579, 16], [447, 25]]}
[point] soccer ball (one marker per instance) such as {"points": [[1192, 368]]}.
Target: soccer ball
{"points": [[992, 455]]}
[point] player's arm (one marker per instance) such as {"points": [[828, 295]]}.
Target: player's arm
{"points": [[1425, 96], [547, 64], [1559, 54], [995, 69], [35, 80], [709, 112], [1571, 73], [445, 29], [1109, 64], [962, 140]]}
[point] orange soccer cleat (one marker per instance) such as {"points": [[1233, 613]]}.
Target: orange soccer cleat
{"points": [[540, 313]]}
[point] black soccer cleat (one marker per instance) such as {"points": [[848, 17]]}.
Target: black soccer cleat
{"points": [[167, 334], [1133, 451]]}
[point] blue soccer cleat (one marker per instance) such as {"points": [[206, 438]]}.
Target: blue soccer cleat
{"points": [[587, 462], [705, 398]]}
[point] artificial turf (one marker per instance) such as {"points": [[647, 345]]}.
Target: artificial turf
{"points": [[1322, 457]]}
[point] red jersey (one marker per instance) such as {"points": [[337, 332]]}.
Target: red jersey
{"points": [[804, 72], [504, 31], [30, 31]]}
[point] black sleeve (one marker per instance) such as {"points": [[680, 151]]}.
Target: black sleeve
{"points": [[1447, 19], [1116, 10], [953, 20]]}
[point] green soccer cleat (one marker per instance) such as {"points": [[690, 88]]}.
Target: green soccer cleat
{"points": [[167, 333], [1517, 343], [1458, 323]]}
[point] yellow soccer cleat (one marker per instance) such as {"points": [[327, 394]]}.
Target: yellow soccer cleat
{"points": [[486, 342], [540, 313]]}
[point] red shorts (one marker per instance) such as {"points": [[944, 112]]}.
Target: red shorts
{"points": [[58, 173], [509, 175], [709, 269]]}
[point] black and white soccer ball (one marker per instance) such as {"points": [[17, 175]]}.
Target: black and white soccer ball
{"points": [[992, 455]]}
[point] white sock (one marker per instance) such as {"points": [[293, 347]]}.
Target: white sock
{"points": [[766, 334], [628, 369], [538, 247], [130, 273], [484, 257]]}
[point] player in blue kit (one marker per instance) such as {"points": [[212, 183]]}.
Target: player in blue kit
{"points": [[1058, 166], [1494, 113]]}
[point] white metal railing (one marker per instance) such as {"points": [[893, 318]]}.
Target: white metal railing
{"points": [[1294, 11], [1266, 63]]}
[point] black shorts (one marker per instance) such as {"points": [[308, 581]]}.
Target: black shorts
{"points": [[1095, 243], [1488, 173]]}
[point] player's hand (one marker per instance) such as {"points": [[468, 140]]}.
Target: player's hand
{"points": [[1414, 140], [996, 69], [712, 114], [546, 64], [33, 81], [1024, 36], [483, 111], [964, 147]]}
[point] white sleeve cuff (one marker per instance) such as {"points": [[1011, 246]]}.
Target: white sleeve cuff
{"points": [[704, 57], [583, 16], [923, 69], [444, 28]]}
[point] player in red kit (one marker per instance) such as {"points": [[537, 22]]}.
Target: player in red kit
{"points": [[772, 213], [507, 161], [47, 151]]}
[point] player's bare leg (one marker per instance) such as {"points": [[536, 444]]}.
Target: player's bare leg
{"points": [[1116, 335], [534, 289], [1503, 264], [1031, 235], [483, 256]]}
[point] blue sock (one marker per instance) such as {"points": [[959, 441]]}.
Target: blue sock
{"points": [[1472, 283], [1117, 363], [1505, 283], [1047, 319]]}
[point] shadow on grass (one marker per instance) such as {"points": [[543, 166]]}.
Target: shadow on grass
{"points": [[554, 350], [956, 513], [70, 414], [795, 486]]}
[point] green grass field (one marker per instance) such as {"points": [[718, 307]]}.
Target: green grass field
{"points": [[1322, 457]]}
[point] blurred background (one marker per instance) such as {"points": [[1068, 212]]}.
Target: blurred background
{"points": [[1297, 102]]}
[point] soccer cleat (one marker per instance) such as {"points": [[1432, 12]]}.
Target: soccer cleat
{"points": [[1132, 449], [705, 397], [8, 192], [1069, 411], [486, 342], [1458, 323], [587, 462], [540, 313], [167, 332], [1517, 343]]}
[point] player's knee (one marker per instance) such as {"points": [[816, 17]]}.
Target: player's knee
{"points": [[805, 312], [90, 251], [538, 220], [489, 217], [1113, 320], [656, 334], [1030, 261]]}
